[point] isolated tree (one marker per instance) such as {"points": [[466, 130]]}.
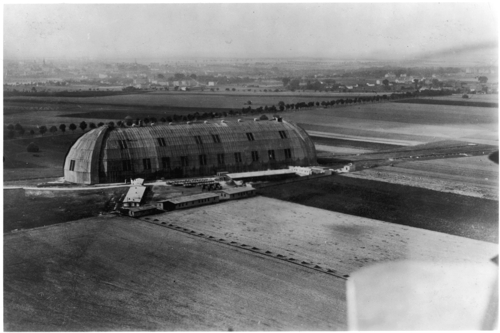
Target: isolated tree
{"points": [[42, 129], [153, 120], [62, 127], [72, 127], [10, 134], [286, 81], [119, 123], [32, 132], [482, 79], [100, 124], [21, 131], [385, 82], [83, 125], [53, 129], [146, 120], [111, 124], [17, 127], [163, 120], [92, 125], [264, 117]]}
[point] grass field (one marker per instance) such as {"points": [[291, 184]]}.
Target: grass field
{"points": [[20, 164], [455, 102], [224, 100], [449, 213], [331, 240], [474, 176], [412, 122], [120, 274], [25, 212]]}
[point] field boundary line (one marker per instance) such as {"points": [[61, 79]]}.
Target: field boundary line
{"points": [[249, 248], [364, 139]]}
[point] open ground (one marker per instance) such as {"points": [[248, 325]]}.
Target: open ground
{"points": [[121, 274]]}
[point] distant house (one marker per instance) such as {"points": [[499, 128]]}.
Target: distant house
{"points": [[370, 84], [211, 83]]}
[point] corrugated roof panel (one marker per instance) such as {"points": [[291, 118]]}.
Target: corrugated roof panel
{"points": [[140, 143]]}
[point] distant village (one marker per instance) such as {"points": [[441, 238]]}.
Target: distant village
{"points": [[227, 75]]}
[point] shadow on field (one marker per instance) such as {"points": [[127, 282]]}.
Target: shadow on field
{"points": [[449, 213]]}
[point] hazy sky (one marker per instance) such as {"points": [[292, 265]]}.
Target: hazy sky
{"points": [[354, 31]]}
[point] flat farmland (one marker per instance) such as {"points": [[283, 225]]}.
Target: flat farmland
{"points": [[491, 98], [226, 100], [332, 240], [47, 163], [120, 274], [473, 176], [450, 213], [397, 121]]}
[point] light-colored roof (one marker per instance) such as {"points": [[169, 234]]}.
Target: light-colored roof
{"points": [[260, 173], [135, 194], [233, 190], [189, 198]]}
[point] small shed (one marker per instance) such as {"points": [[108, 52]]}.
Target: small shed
{"points": [[236, 193], [134, 196], [188, 201]]}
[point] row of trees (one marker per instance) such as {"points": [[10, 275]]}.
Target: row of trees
{"points": [[18, 129], [12, 130]]}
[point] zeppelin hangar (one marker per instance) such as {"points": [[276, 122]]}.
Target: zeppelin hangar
{"points": [[114, 154]]}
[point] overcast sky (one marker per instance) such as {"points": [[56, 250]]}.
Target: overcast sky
{"points": [[333, 30]]}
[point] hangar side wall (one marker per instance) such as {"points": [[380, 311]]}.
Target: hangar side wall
{"points": [[184, 150]]}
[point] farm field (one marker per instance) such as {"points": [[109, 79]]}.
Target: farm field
{"points": [[21, 211], [451, 102], [120, 274], [48, 163], [450, 213], [332, 240], [473, 176], [397, 121], [491, 98], [223, 100]]}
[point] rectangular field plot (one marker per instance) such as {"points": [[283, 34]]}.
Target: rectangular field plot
{"points": [[330, 240], [119, 274]]}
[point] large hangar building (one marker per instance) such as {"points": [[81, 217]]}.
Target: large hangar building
{"points": [[114, 154]]}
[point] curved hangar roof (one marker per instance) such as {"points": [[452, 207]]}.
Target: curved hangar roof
{"points": [[107, 154]]}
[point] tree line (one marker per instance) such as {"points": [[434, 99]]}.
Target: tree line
{"points": [[17, 129]]}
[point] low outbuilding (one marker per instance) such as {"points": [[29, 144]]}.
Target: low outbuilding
{"points": [[188, 201], [261, 175], [142, 211], [236, 193]]}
